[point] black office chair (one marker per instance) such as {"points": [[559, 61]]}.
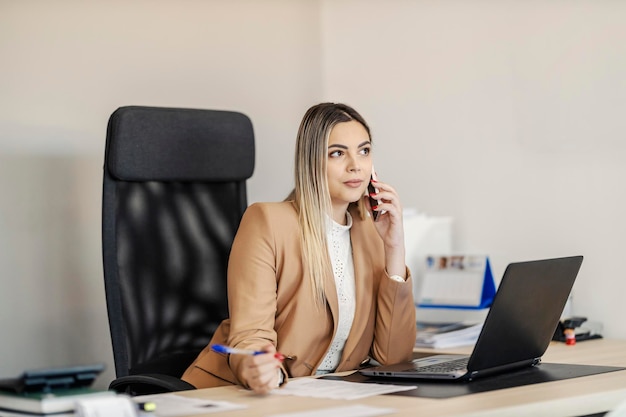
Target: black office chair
{"points": [[173, 195]]}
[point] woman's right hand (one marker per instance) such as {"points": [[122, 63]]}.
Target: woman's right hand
{"points": [[261, 372]]}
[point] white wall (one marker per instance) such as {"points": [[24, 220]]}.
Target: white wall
{"points": [[65, 67], [507, 116], [501, 114]]}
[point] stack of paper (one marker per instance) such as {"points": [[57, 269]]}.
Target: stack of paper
{"points": [[447, 335], [58, 403]]}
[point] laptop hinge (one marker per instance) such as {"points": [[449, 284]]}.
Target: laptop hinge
{"points": [[502, 368]]}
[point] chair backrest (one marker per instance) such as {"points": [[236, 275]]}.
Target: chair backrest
{"points": [[174, 191]]}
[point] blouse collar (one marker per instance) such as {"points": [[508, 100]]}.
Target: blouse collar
{"points": [[334, 226]]}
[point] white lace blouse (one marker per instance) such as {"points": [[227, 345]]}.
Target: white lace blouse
{"points": [[340, 250]]}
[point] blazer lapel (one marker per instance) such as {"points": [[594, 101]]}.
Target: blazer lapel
{"points": [[330, 291]]}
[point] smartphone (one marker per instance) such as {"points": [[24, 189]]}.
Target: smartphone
{"points": [[371, 189]]}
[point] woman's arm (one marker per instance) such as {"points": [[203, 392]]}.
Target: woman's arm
{"points": [[252, 301], [395, 331]]}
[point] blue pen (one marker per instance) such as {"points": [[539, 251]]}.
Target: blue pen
{"points": [[235, 351]]}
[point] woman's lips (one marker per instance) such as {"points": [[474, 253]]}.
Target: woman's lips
{"points": [[354, 183]]}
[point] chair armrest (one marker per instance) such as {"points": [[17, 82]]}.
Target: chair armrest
{"points": [[149, 384]]}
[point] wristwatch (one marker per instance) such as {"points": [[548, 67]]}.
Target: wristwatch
{"points": [[281, 378], [397, 278]]}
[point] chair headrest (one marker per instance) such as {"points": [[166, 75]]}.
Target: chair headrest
{"points": [[173, 144]]}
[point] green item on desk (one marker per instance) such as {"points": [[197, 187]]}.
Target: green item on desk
{"points": [[147, 406]]}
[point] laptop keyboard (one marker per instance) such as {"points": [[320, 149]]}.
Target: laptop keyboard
{"points": [[445, 367]]}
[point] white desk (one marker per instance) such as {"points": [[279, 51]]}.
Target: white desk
{"points": [[571, 397]]}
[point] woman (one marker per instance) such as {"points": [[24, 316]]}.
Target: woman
{"points": [[314, 277]]}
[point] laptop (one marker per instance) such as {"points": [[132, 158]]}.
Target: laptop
{"points": [[517, 330]]}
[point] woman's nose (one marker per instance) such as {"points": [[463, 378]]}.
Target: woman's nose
{"points": [[353, 164]]}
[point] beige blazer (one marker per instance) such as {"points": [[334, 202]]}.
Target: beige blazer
{"points": [[270, 300]]}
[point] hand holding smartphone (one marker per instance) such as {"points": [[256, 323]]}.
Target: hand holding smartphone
{"points": [[373, 190]]}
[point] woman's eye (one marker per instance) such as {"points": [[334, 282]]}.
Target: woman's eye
{"points": [[365, 151], [335, 154]]}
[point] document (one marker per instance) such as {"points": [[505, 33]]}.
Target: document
{"points": [[338, 390], [459, 281], [173, 405], [347, 411], [447, 335]]}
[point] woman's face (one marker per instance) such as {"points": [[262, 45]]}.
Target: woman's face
{"points": [[349, 165]]}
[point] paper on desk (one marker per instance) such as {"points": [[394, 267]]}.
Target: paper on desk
{"points": [[173, 405], [619, 411], [347, 411], [338, 390]]}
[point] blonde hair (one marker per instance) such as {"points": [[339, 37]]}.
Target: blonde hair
{"points": [[311, 195]]}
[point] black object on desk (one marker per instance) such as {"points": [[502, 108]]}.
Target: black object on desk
{"points": [[573, 324], [47, 380]]}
